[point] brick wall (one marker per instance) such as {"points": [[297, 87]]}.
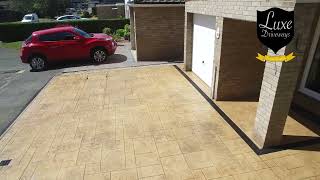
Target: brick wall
{"points": [[107, 12], [240, 73], [159, 33], [236, 9]]}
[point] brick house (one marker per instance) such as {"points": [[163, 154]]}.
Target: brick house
{"points": [[4, 4], [221, 46], [110, 11], [157, 29]]}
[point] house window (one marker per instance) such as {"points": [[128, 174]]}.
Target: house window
{"points": [[310, 84], [313, 80]]}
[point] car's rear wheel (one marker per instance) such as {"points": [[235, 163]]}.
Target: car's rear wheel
{"points": [[38, 63], [99, 55]]}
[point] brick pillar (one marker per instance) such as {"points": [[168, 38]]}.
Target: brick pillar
{"points": [[188, 40], [132, 29], [278, 86], [280, 80]]}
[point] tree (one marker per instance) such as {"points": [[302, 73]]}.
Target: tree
{"points": [[45, 8], [20, 5]]}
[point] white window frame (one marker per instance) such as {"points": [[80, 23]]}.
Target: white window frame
{"points": [[311, 54]]}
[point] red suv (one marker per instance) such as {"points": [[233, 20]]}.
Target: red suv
{"points": [[65, 43]]}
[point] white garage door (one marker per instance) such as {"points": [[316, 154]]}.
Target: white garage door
{"points": [[203, 47]]}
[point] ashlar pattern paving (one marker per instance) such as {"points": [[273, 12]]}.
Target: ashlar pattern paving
{"points": [[140, 123]]}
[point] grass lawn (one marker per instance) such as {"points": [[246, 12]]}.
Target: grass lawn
{"points": [[12, 45]]}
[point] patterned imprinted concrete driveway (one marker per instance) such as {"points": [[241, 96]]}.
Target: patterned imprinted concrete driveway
{"points": [[139, 123]]}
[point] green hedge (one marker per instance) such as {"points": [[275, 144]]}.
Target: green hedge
{"points": [[10, 32]]}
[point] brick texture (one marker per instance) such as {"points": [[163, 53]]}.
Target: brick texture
{"points": [[240, 73], [108, 12], [236, 9], [159, 33]]}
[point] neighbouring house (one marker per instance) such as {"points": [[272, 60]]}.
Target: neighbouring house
{"points": [[4, 4], [76, 3], [221, 46], [157, 29], [110, 11], [7, 13], [110, 1], [103, 9]]}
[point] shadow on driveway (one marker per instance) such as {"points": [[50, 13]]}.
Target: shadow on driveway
{"points": [[116, 58]]}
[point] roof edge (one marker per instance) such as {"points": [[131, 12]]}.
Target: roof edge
{"points": [[156, 5]]}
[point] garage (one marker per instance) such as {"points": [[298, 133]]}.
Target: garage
{"points": [[203, 47]]}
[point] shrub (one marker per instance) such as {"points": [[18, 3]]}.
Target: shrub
{"points": [[94, 11], [107, 30], [127, 31], [85, 14], [10, 16], [116, 37], [120, 32], [127, 27], [10, 32]]}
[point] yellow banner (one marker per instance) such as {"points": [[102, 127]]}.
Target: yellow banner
{"points": [[282, 58]]}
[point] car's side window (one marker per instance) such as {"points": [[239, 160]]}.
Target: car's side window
{"points": [[60, 36], [65, 36], [48, 37]]}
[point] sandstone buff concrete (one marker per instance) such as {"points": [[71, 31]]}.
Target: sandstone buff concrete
{"points": [[139, 123], [297, 127]]}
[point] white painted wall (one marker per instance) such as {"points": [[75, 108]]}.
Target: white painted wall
{"points": [[203, 47]]}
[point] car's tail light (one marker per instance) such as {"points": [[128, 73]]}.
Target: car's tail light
{"points": [[27, 41]]}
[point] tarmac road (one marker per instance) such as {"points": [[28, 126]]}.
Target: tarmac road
{"points": [[18, 85]]}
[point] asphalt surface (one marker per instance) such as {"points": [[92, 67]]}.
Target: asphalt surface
{"points": [[18, 85]]}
